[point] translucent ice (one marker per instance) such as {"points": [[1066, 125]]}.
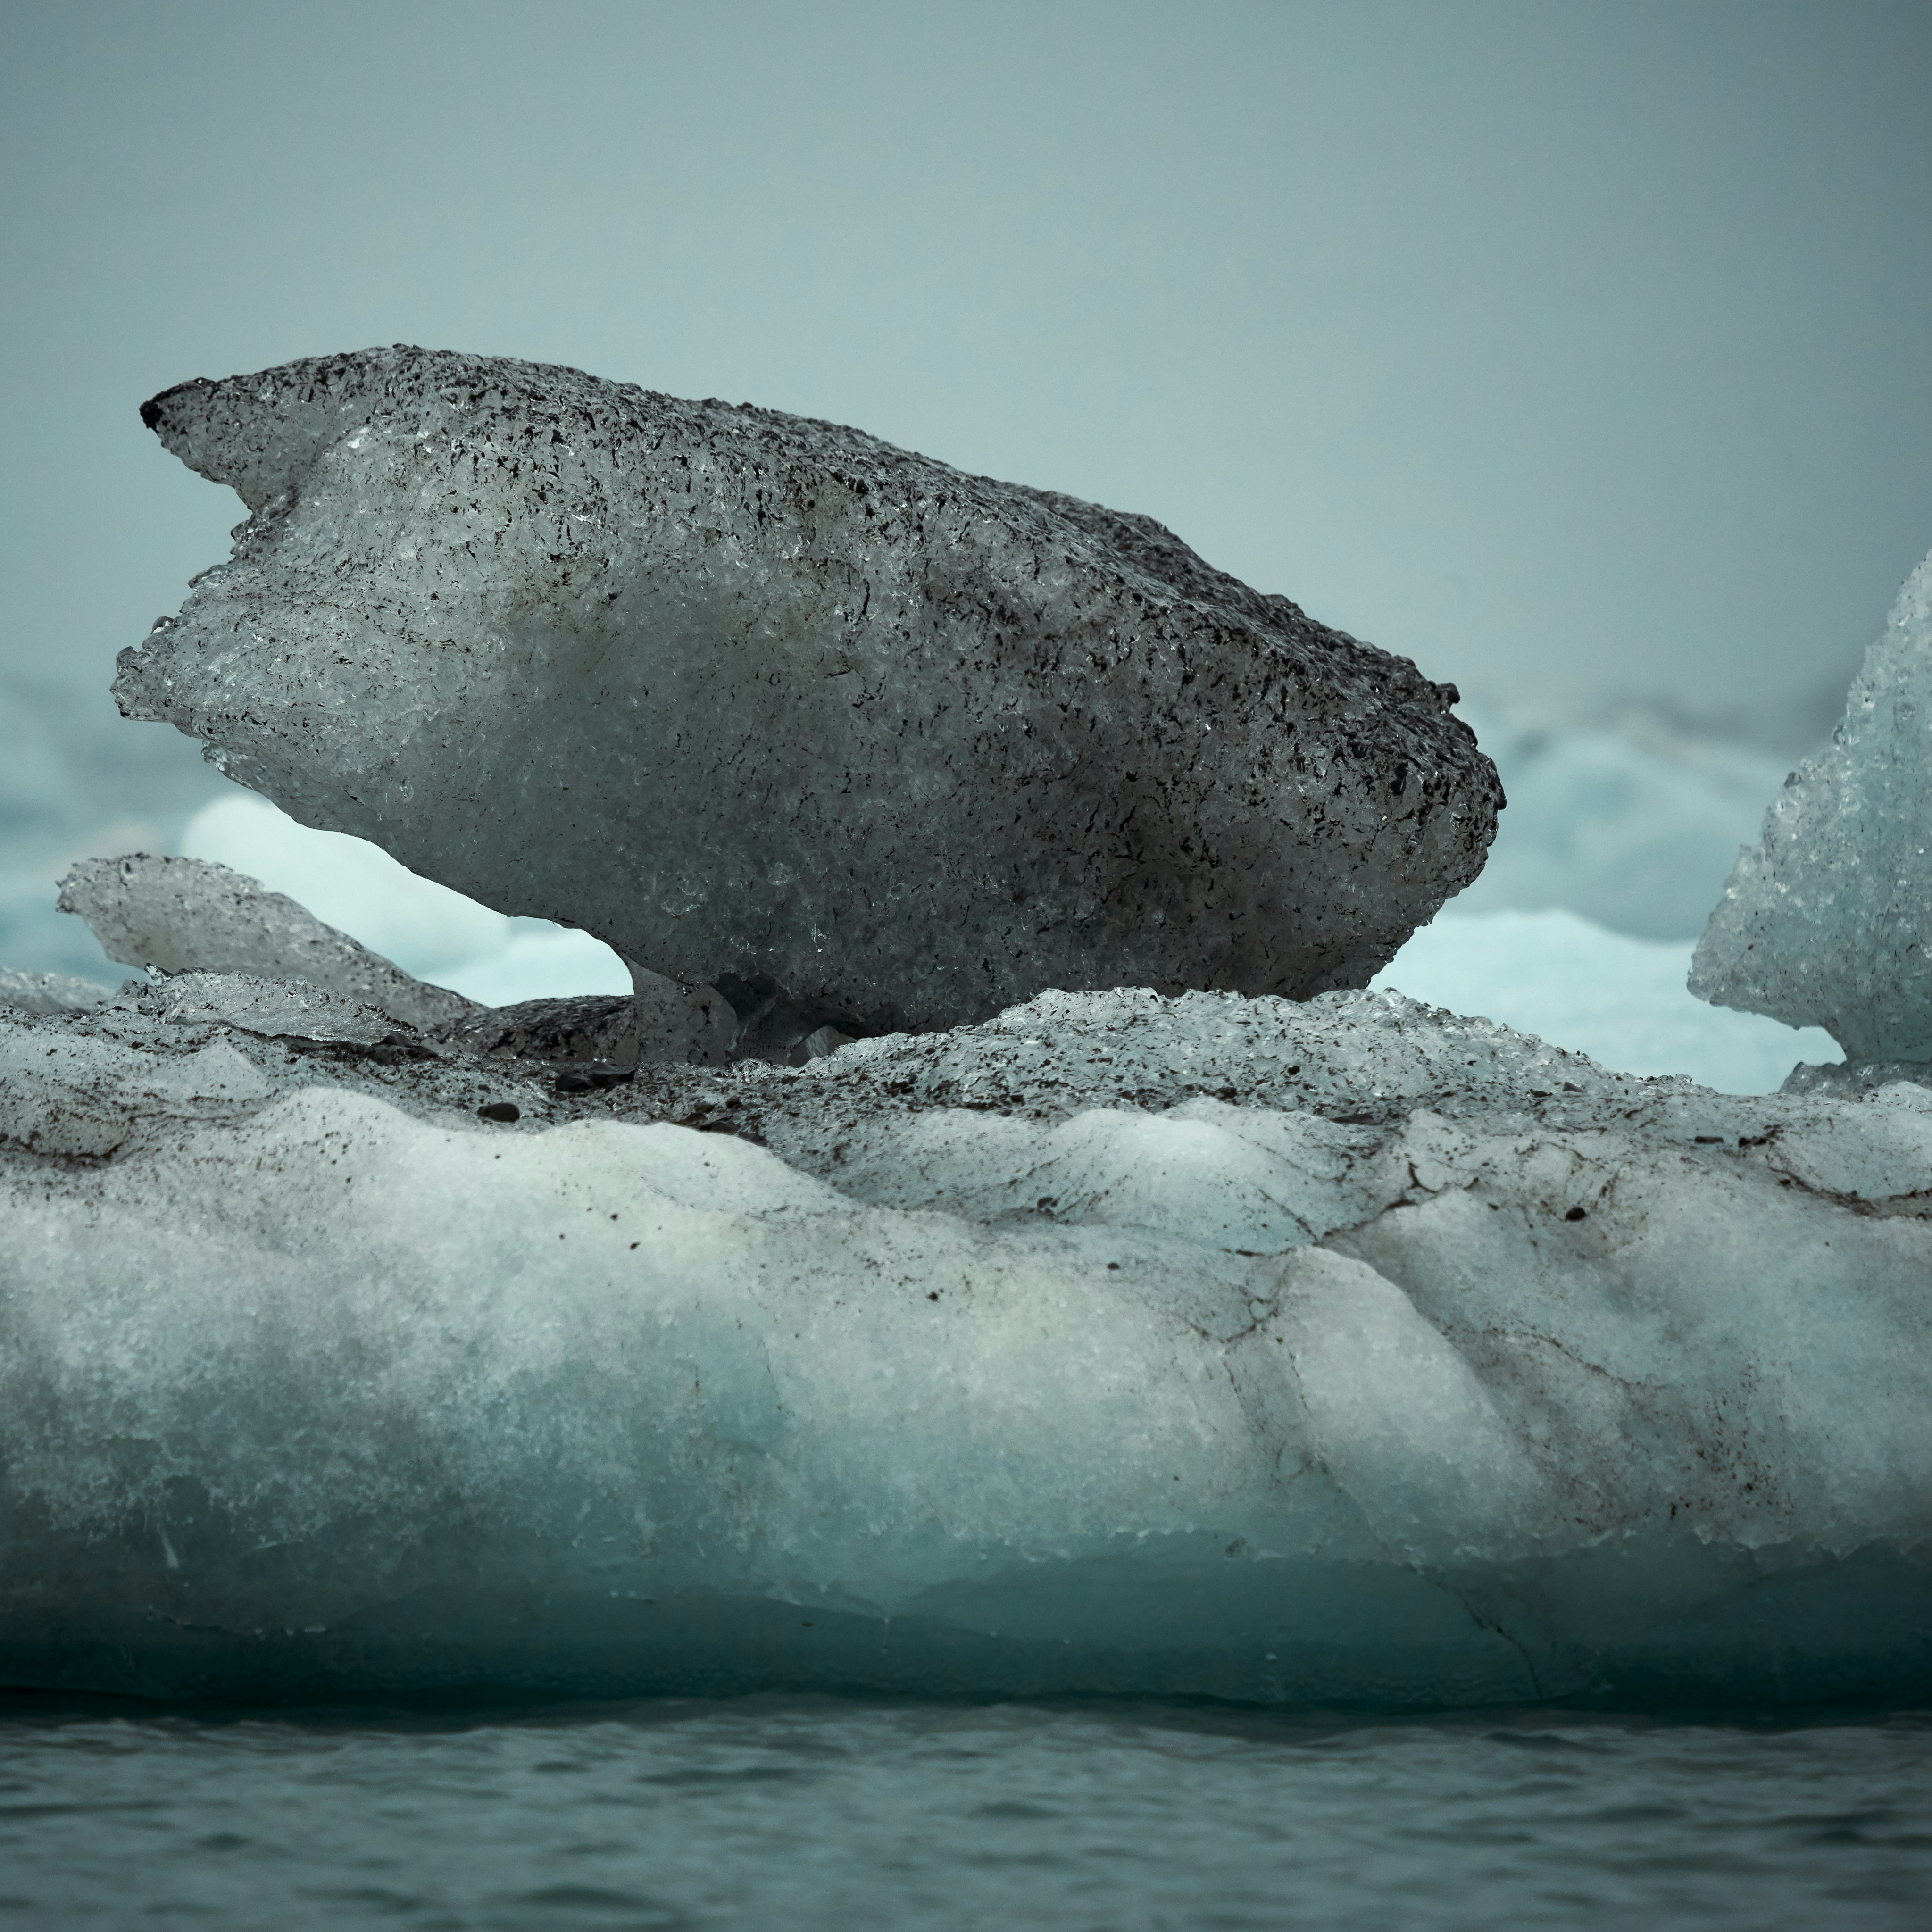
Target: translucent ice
{"points": [[1826, 921], [188, 916], [1345, 1352]]}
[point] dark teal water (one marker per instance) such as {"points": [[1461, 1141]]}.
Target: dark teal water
{"points": [[805, 1814]]}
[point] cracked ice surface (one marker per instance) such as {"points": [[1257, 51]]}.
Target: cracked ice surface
{"points": [[1343, 1352]]}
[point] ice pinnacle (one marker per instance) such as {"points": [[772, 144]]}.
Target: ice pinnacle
{"points": [[770, 705], [1827, 921]]}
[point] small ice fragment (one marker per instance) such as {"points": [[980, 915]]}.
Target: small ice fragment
{"points": [[191, 916]]}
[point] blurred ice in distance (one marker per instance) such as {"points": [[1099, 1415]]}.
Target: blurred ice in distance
{"points": [[1633, 824], [1616, 840], [426, 928], [1622, 1000]]}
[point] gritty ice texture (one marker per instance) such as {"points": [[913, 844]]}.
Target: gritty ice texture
{"points": [[773, 706], [47, 992], [1342, 1353], [189, 916], [1826, 923]]}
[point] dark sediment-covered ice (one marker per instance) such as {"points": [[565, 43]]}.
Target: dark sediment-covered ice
{"points": [[1344, 1352], [774, 707]]}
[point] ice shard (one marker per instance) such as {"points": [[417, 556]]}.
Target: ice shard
{"points": [[1828, 921], [861, 741], [192, 915]]}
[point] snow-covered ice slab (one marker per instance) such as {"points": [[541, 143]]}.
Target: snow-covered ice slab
{"points": [[1343, 1353]]}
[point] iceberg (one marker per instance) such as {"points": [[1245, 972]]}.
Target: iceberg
{"points": [[883, 1295], [1339, 1353]]}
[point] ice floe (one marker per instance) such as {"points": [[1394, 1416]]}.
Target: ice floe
{"points": [[1338, 1352]]}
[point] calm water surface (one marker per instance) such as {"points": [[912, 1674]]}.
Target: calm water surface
{"points": [[805, 1814]]}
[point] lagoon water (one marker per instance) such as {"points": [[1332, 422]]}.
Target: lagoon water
{"points": [[804, 1814]]}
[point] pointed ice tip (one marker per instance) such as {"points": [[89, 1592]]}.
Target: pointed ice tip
{"points": [[258, 434]]}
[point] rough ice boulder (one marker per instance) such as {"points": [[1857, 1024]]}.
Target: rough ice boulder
{"points": [[773, 706], [1415, 1363], [190, 915], [1828, 921]]}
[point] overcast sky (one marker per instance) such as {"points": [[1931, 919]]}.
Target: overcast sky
{"points": [[1580, 353]]}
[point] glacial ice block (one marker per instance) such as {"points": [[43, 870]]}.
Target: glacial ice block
{"points": [[773, 706], [192, 915], [1828, 920], [1337, 1353]]}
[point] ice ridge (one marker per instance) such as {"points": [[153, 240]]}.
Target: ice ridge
{"points": [[193, 916]]}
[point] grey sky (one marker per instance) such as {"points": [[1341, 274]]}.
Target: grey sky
{"points": [[1579, 351]]}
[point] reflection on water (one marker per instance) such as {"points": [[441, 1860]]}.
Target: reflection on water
{"points": [[809, 1812]]}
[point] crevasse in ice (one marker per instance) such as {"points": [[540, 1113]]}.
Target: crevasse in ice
{"points": [[1340, 1352], [1825, 921]]}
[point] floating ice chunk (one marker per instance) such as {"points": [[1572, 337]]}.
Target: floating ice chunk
{"points": [[1828, 921], [189, 916], [770, 705]]}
